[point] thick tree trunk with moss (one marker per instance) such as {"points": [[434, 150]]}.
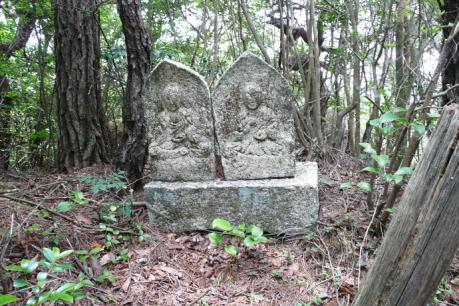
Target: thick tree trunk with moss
{"points": [[423, 237], [83, 133], [134, 145]]}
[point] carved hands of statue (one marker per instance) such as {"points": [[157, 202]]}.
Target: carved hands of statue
{"points": [[178, 137], [182, 151], [272, 134], [237, 136], [260, 135]]}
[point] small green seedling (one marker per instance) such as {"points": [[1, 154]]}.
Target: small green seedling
{"points": [[250, 235]]}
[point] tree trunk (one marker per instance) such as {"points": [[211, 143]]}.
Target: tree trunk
{"points": [[424, 235], [450, 74], [83, 133], [24, 29], [254, 32], [5, 134], [133, 148]]}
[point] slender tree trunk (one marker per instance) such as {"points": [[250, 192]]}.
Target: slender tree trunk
{"points": [[134, 145], [356, 79], [315, 94], [5, 134], [241, 27], [83, 133], [254, 31], [24, 29], [37, 153], [215, 48], [450, 74]]}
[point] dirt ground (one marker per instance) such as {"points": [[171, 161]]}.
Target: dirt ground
{"points": [[319, 268]]}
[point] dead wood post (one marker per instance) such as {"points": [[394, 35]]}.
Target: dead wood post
{"points": [[424, 235]]}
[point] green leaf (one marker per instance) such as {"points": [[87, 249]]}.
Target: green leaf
{"points": [[376, 123], [215, 238], [371, 169], [7, 299], [382, 160], [398, 178], [232, 250], [367, 148], [364, 186], [399, 109], [391, 210], [419, 128], [62, 297], [263, 239], [64, 254], [66, 287], [29, 265], [250, 241], [404, 171], [346, 185], [79, 198], [14, 268], [20, 283], [64, 206], [388, 117], [95, 250], [42, 276], [256, 231], [222, 224], [49, 254], [388, 177], [238, 233]]}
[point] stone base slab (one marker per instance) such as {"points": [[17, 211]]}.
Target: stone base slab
{"points": [[279, 206]]}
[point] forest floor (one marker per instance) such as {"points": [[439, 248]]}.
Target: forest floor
{"points": [[320, 268]]}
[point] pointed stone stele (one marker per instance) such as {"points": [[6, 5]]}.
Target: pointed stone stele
{"points": [[254, 126], [253, 107], [178, 113]]}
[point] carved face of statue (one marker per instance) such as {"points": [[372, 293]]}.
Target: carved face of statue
{"points": [[172, 97], [252, 95]]}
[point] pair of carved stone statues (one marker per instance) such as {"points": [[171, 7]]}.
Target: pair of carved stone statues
{"points": [[248, 122]]}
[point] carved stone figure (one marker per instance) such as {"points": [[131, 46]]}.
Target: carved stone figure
{"points": [[254, 122], [180, 132]]}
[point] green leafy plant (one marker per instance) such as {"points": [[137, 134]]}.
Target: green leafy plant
{"points": [[250, 235], [85, 255], [107, 276], [76, 197], [114, 182], [382, 161], [38, 279]]}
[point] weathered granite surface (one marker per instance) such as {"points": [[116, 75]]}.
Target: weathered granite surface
{"points": [[252, 107], [287, 205], [179, 117]]}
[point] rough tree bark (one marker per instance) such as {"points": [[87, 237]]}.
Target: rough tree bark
{"points": [[83, 133], [424, 235], [133, 148], [5, 134], [450, 74]]}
